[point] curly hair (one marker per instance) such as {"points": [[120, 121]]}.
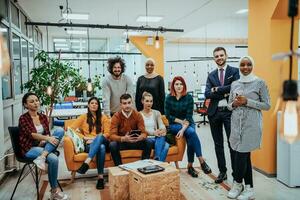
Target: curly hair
{"points": [[112, 61]]}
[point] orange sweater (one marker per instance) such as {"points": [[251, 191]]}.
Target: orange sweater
{"points": [[81, 124], [120, 125]]}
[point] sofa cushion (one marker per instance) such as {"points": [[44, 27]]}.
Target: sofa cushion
{"points": [[80, 157], [77, 141]]}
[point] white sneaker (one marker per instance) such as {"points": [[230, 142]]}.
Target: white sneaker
{"points": [[247, 194], [58, 195], [235, 191], [40, 162]]}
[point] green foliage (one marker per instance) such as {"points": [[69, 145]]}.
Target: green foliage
{"points": [[61, 76]]}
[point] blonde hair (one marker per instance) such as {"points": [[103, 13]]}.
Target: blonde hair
{"points": [[146, 94]]}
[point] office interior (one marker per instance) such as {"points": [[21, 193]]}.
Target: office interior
{"points": [[243, 27]]}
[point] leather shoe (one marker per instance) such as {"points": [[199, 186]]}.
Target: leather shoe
{"points": [[221, 177], [205, 168], [100, 184], [83, 168], [192, 172]]}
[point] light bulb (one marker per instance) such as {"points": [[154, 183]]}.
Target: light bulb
{"points": [[289, 121], [49, 90], [157, 42], [127, 44], [89, 87]]}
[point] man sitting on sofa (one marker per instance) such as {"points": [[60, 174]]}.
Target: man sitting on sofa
{"points": [[127, 131]]}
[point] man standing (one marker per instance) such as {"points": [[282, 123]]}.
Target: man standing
{"points": [[217, 90], [114, 85], [123, 124]]}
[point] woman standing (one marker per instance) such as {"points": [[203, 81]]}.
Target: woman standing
{"points": [[94, 130], [36, 142], [179, 111], [154, 84], [155, 128], [248, 96]]}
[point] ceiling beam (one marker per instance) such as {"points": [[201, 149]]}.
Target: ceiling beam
{"points": [[105, 26]]}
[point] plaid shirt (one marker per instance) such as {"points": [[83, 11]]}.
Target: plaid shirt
{"points": [[180, 109], [27, 127]]}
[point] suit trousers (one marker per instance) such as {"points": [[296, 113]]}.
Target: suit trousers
{"points": [[216, 122]]}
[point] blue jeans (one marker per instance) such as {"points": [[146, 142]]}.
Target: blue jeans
{"points": [[51, 159], [193, 142], [98, 148], [161, 148]]}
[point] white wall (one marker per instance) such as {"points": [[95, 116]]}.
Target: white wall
{"points": [[223, 29]]}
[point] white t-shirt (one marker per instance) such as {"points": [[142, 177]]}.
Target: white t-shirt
{"points": [[39, 129]]}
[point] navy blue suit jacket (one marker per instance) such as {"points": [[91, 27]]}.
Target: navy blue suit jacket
{"points": [[231, 74]]}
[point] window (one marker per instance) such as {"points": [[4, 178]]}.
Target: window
{"points": [[40, 40], [3, 9], [35, 35], [6, 81], [24, 61], [31, 58], [30, 33], [23, 25], [16, 64], [15, 15]]}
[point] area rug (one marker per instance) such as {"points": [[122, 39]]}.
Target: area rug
{"points": [[81, 189], [203, 187]]}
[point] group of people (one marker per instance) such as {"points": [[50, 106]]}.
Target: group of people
{"points": [[132, 120]]}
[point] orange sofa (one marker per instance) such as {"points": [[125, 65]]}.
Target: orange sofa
{"points": [[74, 161]]}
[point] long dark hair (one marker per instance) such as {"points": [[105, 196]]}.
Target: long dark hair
{"points": [[98, 117]]}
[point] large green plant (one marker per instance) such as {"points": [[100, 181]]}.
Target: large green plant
{"points": [[62, 77]]}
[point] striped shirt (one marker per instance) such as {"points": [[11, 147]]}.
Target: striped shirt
{"points": [[246, 121]]}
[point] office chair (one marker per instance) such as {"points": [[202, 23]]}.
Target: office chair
{"points": [[202, 110], [33, 169]]}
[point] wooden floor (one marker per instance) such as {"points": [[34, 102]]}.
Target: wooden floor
{"points": [[201, 188]]}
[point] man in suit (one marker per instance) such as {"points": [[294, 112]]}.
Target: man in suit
{"points": [[217, 90]]}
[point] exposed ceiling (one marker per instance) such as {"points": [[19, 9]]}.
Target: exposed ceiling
{"points": [[189, 15]]}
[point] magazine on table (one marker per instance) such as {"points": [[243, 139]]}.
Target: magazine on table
{"points": [[140, 164]]}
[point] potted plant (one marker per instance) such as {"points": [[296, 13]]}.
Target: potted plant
{"points": [[60, 78]]}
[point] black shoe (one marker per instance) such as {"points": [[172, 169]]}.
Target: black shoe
{"points": [[221, 177], [192, 172], [100, 184], [83, 168], [205, 168]]}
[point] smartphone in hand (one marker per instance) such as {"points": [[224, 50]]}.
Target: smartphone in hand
{"points": [[135, 133]]}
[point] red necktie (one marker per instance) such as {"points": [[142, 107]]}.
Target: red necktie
{"points": [[222, 76]]}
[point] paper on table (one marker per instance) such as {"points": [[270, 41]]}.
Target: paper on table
{"points": [[140, 164]]}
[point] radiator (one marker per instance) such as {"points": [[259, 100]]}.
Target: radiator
{"points": [[8, 162]]}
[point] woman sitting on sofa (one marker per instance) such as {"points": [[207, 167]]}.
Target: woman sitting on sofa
{"points": [[155, 127], [94, 130]]}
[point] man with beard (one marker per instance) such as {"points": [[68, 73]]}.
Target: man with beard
{"points": [[114, 85], [217, 90]]}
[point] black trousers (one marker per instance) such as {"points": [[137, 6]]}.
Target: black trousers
{"points": [[243, 168], [216, 122], [116, 147]]}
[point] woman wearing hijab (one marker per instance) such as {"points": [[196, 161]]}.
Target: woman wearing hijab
{"points": [[248, 97], [154, 84]]}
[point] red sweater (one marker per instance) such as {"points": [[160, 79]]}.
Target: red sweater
{"points": [[27, 127], [120, 125]]}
